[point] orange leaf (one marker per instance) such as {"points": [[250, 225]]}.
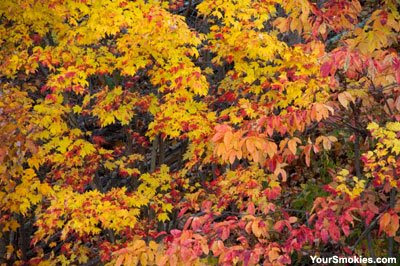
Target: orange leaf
{"points": [[292, 145], [389, 223], [344, 99], [228, 139], [256, 229], [384, 221], [2, 154], [307, 154], [221, 149], [250, 145], [204, 246], [271, 148], [232, 156], [273, 254], [119, 260]]}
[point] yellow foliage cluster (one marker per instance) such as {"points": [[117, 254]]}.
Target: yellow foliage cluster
{"points": [[354, 189], [382, 160]]}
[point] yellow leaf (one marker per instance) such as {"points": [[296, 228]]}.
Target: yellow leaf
{"points": [[163, 217], [77, 109], [143, 259], [393, 126], [372, 126]]}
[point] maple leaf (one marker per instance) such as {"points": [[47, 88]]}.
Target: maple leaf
{"points": [[71, 80]]}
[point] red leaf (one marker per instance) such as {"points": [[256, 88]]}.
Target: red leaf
{"points": [[98, 140], [326, 69], [182, 211], [324, 235], [250, 208], [69, 74], [279, 226], [346, 230], [225, 233], [334, 232], [396, 66]]}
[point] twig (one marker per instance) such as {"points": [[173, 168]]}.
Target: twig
{"points": [[340, 35], [154, 154], [368, 229], [94, 261], [370, 247], [392, 201]]}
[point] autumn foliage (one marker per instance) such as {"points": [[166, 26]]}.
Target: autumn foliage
{"points": [[209, 132]]}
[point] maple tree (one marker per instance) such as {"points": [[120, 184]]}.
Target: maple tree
{"points": [[198, 132]]}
